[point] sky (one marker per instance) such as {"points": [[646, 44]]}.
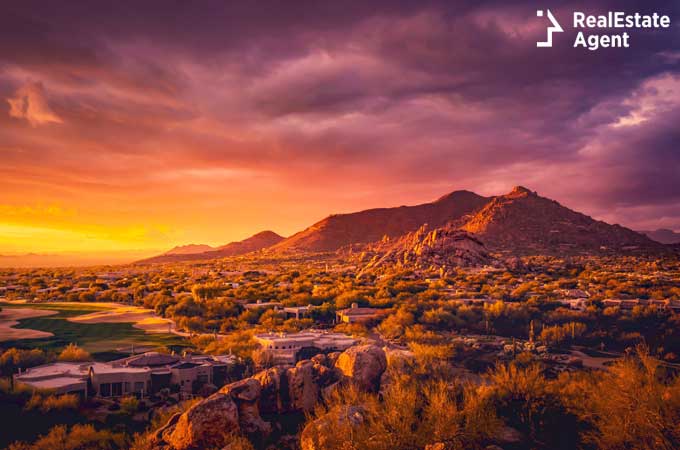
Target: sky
{"points": [[135, 126]]}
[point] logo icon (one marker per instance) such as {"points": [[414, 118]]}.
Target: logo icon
{"points": [[554, 28]]}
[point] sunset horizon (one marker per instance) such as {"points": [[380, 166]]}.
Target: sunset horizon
{"points": [[82, 245], [121, 135]]}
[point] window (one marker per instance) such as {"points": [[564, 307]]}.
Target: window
{"points": [[116, 389], [105, 389], [139, 386]]}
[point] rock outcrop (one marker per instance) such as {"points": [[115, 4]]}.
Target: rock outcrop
{"points": [[364, 365], [237, 407], [429, 249], [315, 435], [204, 425]]}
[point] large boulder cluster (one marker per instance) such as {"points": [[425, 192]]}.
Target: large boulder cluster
{"points": [[237, 407], [430, 249]]}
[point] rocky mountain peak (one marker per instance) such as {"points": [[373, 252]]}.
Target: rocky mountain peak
{"points": [[520, 191]]}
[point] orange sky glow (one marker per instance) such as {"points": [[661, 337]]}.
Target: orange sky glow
{"points": [[125, 131]]}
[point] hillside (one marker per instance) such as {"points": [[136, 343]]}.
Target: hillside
{"points": [[254, 243], [520, 222], [340, 230], [189, 249], [663, 236], [523, 222]]}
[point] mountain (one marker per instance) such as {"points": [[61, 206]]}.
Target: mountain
{"points": [[254, 243], [523, 222], [428, 249], [663, 236], [72, 259], [363, 227], [518, 223], [189, 249]]}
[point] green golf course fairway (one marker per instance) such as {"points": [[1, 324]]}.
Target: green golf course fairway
{"points": [[95, 338]]}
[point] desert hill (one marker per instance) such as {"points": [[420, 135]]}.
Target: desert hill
{"points": [[189, 249], [524, 222], [520, 222], [254, 243], [363, 227], [663, 236]]}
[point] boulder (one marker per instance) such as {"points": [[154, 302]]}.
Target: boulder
{"points": [[246, 395], [235, 409], [271, 381], [319, 434], [363, 365], [205, 425], [303, 390]]}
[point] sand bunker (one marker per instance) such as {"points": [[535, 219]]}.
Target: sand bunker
{"points": [[9, 317], [142, 318]]}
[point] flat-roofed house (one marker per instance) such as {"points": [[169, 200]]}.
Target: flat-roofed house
{"points": [[136, 375], [357, 314], [189, 372], [265, 305], [298, 311], [288, 348], [108, 380], [579, 304], [60, 378]]}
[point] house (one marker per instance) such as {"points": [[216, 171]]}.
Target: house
{"points": [[357, 314], [573, 293], [188, 372], [473, 301], [108, 380], [579, 304], [60, 378], [261, 304], [287, 348], [629, 304], [136, 375], [298, 311]]}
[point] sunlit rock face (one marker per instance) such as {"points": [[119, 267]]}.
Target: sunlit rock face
{"points": [[364, 365], [236, 408], [429, 249], [203, 425]]}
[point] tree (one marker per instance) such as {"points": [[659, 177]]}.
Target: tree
{"points": [[14, 359], [73, 353]]}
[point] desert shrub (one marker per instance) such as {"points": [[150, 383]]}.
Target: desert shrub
{"points": [[407, 415], [52, 402], [526, 401], [630, 406], [129, 405], [79, 437], [73, 353]]}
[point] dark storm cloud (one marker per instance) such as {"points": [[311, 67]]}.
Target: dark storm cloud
{"points": [[421, 93]]}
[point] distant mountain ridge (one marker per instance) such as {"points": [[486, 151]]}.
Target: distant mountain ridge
{"points": [[663, 235], [517, 223], [189, 249], [254, 243]]}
